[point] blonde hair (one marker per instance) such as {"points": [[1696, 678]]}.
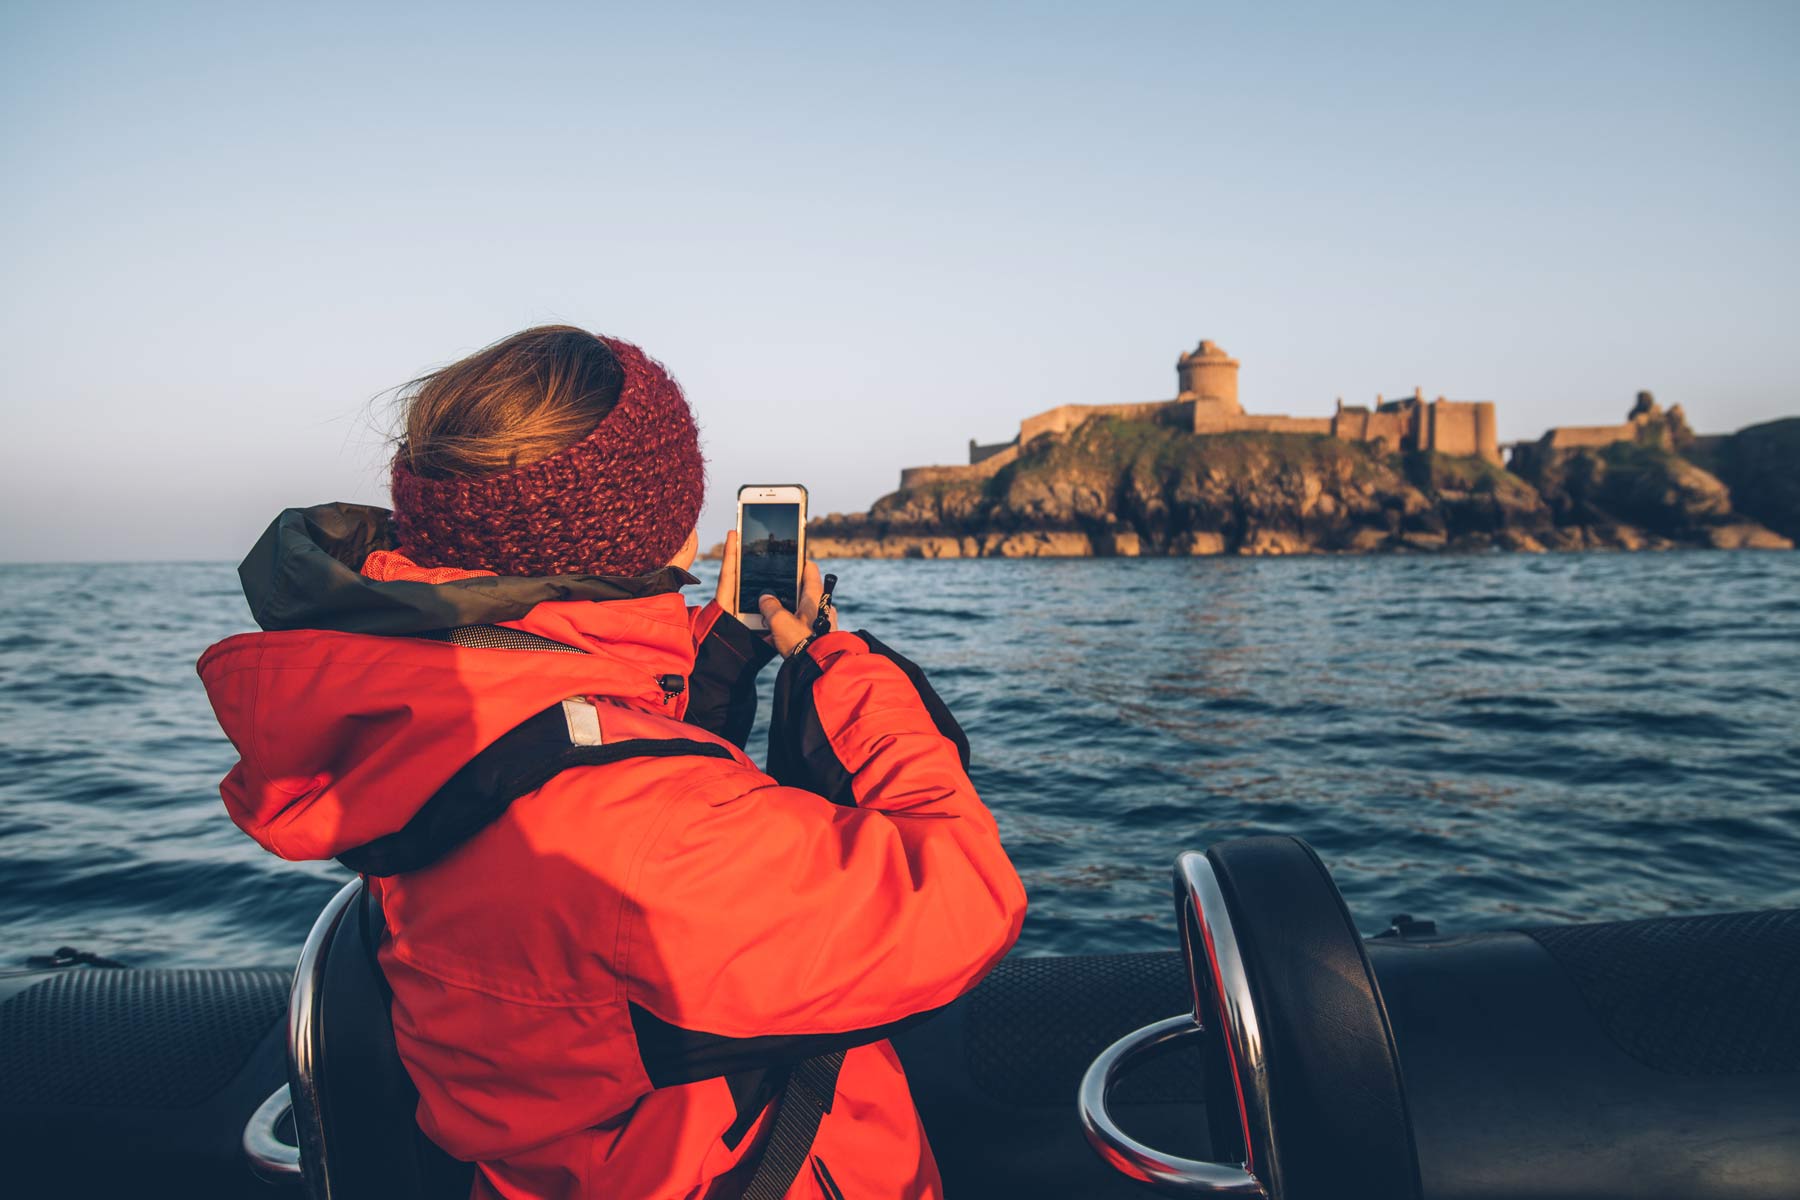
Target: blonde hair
{"points": [[515, 402]]}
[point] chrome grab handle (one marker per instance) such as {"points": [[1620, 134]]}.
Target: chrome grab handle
{"points": [[1130, 1156], [304, 1066], [1221, 993], [270, 1157]]}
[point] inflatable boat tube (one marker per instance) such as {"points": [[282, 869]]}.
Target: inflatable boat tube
{"points": [[129, 1082], [1637, 1059]]}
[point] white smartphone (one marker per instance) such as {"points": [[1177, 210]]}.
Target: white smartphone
{"points": [[771, 525]]}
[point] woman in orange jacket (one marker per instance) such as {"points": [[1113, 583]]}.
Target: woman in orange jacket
{"points": [[617, 948]]}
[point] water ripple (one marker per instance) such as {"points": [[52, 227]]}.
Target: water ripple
{"points": [[1489, 740]]}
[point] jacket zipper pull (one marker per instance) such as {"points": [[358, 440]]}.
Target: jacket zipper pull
{"points": [[672, 686]]}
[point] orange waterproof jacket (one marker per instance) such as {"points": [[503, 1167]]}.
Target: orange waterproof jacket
{"points": [[596, 991]]}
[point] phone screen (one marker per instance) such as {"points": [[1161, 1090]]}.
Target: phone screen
{"points": [[769, 555]]}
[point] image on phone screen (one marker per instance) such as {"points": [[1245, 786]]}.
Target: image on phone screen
{"points": [[769, 555]]}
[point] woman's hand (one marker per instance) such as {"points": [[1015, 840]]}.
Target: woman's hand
{"points": [[787, 629], [727, 595]]}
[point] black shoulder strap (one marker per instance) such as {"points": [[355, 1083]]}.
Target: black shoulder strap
{"points": [[521, 761], [804, 1102]]}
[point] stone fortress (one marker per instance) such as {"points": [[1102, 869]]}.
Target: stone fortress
{"points": [[1207, 403]]}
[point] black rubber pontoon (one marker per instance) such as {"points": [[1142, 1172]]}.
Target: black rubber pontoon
{"points": [[1641, 1059]]}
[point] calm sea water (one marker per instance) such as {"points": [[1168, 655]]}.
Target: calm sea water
{"points": [[1487, 740]]}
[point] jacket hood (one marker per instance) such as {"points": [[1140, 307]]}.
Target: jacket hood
{"points": [[305, 572], [345, 726]]}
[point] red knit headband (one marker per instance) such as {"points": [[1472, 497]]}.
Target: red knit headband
{"points": [[619, 502]]}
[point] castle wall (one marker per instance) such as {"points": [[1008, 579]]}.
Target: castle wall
{"points": [[1351, 424], [1215, 423], [1647, 422], [1453, 427], [1392, 428], [1067, 416], [1205, 422], [912, 477], [1056, 420], [1287, 424], [979, 453], [1212, 416], [1572, 437], [1458, 427], [1487, 431]]}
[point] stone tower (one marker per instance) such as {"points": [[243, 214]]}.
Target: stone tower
{"points": [[1209, 377]]}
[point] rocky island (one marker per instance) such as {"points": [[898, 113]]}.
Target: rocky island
{"points": [[1198, 475]]}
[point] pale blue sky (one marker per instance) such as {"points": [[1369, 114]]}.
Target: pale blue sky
{"points": [[859, 235]]}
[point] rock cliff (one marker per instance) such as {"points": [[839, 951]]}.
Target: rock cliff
{"points": [[1761, 466], [1118, 487]]}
